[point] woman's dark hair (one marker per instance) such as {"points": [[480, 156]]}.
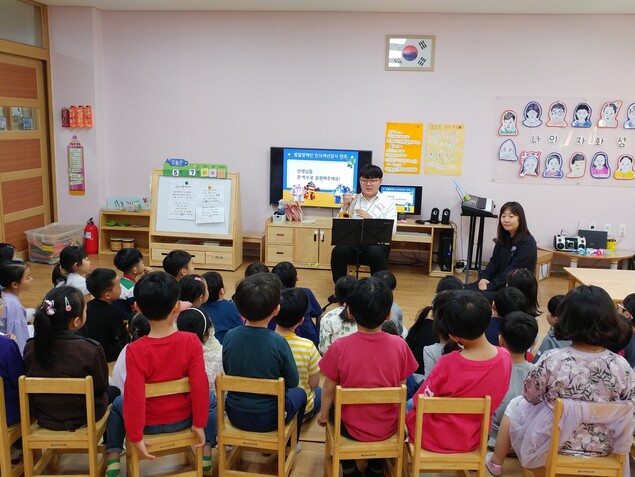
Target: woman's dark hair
{"points": [[139, 326], [7, 252], [526, 282], [12, 272], [195, 321], [69, 257], [192, 287], [516, 209], [587, 314], [60, 306]]}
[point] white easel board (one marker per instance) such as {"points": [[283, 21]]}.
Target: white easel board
{"points": [[193, 205]]}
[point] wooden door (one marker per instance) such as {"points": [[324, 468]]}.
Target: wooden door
{"points": [[25, 195]]}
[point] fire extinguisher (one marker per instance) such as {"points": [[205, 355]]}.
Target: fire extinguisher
{"points": [[91, 237]]}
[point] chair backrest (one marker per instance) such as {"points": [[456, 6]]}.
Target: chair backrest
{"points": [[240, 384], [601, 411], [361, 396], [454, 405], [3, 411], [166, 388]]}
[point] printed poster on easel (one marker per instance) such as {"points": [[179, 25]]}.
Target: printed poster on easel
{"points": [[196, 201], [444, 149], [402, 153]]}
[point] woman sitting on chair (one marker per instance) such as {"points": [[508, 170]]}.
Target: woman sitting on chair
{"points": [[515, 248]]}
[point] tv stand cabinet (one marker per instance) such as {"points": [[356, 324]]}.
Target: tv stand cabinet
{"points": [[307, 244]]}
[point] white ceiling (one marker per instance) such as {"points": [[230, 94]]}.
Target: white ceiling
{"points": [[403, 6]]}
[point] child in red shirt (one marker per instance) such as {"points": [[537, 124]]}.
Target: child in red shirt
{"points": [[478, 370], [368, 358], [164, 355]]}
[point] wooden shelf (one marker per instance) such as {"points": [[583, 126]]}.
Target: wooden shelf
{"points": [[141, 234], [126, 229]]}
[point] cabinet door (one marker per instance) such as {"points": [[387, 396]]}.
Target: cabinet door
{"points": [[306, 245], [325, 247]]}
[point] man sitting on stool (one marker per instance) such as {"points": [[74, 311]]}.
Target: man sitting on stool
{"points": [[370, 204]]}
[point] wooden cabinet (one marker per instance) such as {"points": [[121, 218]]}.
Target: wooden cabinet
{"points": [[306, 244], [137, 227]]}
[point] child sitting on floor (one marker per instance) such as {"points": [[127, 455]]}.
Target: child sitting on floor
{"points": [[506, 300], [337, 322], [223, 312], [396, 314], [365, 359], [129, 261], [550, 341], [478, 370], [293, 304], [178, 263], [72, 268]]}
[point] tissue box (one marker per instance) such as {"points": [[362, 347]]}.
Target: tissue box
{"points": [[278, 219]]}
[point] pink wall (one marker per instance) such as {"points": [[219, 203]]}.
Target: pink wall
{"points": [[224, 87]]}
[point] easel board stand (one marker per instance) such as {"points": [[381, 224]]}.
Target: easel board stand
{"points": [[360, 233]]}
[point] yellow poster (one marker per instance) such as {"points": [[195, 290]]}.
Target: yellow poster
{"points": [[444, 149], [403, 148]]}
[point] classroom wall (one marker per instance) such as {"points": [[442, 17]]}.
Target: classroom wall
{"points": [[224, 87]]}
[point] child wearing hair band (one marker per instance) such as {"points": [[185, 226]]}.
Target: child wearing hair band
{"points": [[194, 320], [72, 268], [15, 278], [139, 326], [194, 290], [57, 350]]}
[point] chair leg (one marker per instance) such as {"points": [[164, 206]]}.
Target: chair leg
{"points": [[27, 459]]}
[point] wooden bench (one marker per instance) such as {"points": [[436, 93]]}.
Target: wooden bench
{"points": [[258, 239], [544, 258]]}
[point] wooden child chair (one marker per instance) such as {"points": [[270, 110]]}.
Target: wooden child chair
{"points": [[418, 460], [611, 465], [8, 435], [169, 442], [52, 443], [274, 441], [338, 447]]}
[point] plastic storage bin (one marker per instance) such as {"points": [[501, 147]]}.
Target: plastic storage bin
{"points": [[46, 243]]}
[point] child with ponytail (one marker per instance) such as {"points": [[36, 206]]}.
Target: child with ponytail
{"points": [[139, 326], [72, 268], [57, 350]]}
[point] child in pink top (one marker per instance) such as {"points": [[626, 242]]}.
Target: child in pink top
{"points": [[368, 358], [478, 370]]}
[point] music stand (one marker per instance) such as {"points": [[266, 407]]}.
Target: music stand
{"points": [[361, 232]]}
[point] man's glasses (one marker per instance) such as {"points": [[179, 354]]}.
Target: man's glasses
{"points": [[369, 181]]}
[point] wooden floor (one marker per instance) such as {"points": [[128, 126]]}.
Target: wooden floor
{"points": [[414, 291]]}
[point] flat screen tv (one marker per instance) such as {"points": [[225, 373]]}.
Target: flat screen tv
{"points": [[407, 198], [315, 177]]}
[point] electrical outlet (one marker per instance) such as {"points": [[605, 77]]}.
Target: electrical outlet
{"points": [[593, 226], [607, 228], [622, 230]]}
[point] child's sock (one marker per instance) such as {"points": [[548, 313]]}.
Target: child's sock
{"points": [[207, 463], [113, 467]]}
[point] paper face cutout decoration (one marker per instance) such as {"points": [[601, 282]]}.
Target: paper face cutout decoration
{"points": [[507, 151], [624, 170], [508, 124], [529, 163], [600, 166], [577, 166], [553, 166], [533, 111], [582, 116], [608, 115], [557, 114], [630, 115]]}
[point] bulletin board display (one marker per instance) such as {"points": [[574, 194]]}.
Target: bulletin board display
{"points": [[565, 141], [191, 206]]}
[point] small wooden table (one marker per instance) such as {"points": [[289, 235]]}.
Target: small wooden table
{"points": [[615, 257], [617, 283]]}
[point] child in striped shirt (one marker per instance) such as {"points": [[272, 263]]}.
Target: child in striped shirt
{"points": [[293, 304]]}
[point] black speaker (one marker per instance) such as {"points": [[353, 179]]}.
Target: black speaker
{"points": [[434, 216], [445, 252], [445, 217]]}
